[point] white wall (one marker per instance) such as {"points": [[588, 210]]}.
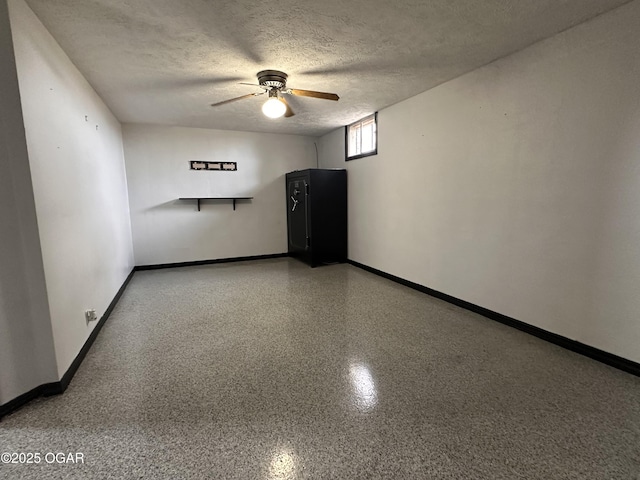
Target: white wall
{"points": [[78, 180], [27, 357], [517, 186], [166, 230]]}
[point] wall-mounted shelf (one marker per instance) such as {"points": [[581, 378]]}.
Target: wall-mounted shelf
{"points": [[216, 198]]}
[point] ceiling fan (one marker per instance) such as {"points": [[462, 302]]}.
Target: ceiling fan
{"points": [[274, 83]]}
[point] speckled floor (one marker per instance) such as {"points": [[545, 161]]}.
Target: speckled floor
{"points": [[272, 370]]}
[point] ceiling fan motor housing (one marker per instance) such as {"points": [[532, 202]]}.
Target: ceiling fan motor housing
{"points": [[272, 78]]}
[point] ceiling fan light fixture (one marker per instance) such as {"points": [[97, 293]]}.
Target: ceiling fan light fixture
{"points": [[274, 83], [274, 108]]}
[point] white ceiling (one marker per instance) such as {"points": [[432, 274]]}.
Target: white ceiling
{"points": [[166, 61]]}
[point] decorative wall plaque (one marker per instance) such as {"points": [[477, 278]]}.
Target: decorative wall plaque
{"points": [[219, 166]]}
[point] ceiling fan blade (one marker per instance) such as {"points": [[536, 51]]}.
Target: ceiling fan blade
{"points": [[237, 98], [311, 93], [190, 82], [206, 80], [255, 85], [288, 112]]}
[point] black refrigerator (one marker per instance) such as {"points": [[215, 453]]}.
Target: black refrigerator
{"points": [[317, 215]]}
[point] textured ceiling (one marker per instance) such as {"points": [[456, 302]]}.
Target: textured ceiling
{"points": [[166, 61]]}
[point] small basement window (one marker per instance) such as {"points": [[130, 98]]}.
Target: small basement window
{"points": [[362, 137]]}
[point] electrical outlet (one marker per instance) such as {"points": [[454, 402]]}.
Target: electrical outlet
{"points": [[90, 316]]}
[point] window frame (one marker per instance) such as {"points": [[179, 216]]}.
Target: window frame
{"points": [[346, 138]]}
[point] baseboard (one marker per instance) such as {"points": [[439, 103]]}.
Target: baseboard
{"points": [[73, 368], [607, 358], [209, 262], [39, 391], [56, 388]]}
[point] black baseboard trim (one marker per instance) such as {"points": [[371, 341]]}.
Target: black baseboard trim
{"points": [[607, 358], [209, 262], [73, 368], [39, 391], [56, 388]]}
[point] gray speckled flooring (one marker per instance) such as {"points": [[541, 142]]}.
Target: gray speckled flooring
{"points": [[272, 370]]}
